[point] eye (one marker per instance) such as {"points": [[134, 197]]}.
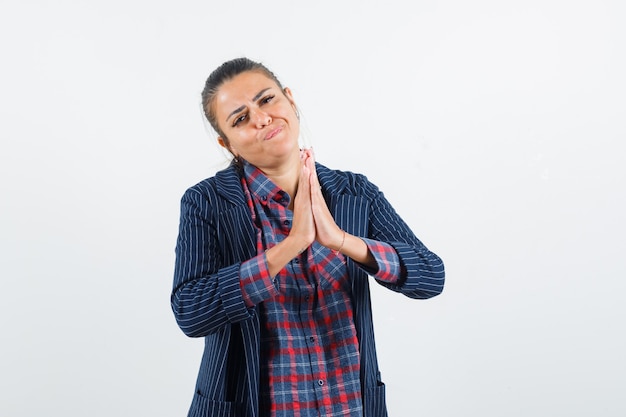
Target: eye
{"points": [[239, 120], [267, 99]]}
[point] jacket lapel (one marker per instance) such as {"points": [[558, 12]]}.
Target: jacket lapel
{"points": [[239, 244]]}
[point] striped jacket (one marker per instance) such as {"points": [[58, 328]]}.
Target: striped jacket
{"points": [[217, 234]]}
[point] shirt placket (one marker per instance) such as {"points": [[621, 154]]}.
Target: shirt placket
{"points": [[319, 374], [306, 293]]}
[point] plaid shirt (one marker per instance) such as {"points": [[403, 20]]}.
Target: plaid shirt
{"points": [[309, 346]]}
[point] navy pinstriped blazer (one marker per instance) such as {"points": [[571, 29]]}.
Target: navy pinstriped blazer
{"points": [[216, 234]]}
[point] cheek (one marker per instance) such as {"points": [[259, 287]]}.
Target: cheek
{"points": [[242, 139]]}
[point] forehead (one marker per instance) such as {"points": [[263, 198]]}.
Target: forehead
{"points": [[241, 89]]}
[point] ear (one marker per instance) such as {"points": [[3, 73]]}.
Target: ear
{"points": [[289, 96], [225, 145]]}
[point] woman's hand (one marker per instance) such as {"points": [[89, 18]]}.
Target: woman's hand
{"points": [[303, 228], [327, 233], [302, 232]]}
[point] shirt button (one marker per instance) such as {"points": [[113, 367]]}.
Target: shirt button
{"points": [[264, 198], [320, 382], [311, 339], [297, 260], [286, 222]]}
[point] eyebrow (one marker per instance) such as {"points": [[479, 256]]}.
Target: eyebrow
{"points": [[240, 108]]}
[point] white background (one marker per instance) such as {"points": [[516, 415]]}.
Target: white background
{"points": [[496, 129]]}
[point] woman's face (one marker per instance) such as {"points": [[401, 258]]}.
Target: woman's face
{"points": [[259, 120]]}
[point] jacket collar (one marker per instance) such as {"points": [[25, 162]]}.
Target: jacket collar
{"points": [[228, 183]]}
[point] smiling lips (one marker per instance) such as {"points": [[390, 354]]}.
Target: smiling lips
{"points": [[273, 133]]}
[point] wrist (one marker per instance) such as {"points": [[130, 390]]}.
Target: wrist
{"points": [[343, 241], [296, 245]]}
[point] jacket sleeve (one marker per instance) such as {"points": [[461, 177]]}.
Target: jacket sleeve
{"points": [[206, 296], [422, 271]]}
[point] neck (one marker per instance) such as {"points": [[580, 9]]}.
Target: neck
{"points": [[286, 176]]}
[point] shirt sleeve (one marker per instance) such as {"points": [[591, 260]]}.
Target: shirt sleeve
{"points": [[256, 283], [387, 260]]}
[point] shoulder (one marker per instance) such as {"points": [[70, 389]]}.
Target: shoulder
{"points": [[225, 185], [345, 182]]}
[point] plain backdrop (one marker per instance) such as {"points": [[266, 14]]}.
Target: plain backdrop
{"points": [[495, 128]]}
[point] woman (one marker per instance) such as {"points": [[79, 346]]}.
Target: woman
{"points": [[272, 265]]}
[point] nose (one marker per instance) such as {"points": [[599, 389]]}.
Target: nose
{"points": [[262, 119]]}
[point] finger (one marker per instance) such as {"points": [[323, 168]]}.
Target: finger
{"points": [[305, 180], [309, 160], [307, 154], [315, 183], [310, 156], [314, 186]]}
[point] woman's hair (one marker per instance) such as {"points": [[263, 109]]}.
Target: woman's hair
{"points": [[225, 72]]}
